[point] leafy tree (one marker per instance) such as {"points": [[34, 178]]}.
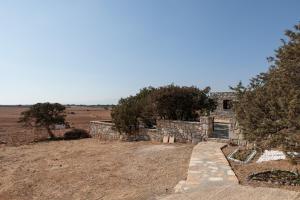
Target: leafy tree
{"points": [[44, 115], [182, 103], [125, 115], [270, 104], [168, 102], [146, 106]]}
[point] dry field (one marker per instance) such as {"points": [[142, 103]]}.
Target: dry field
{"points": [[84, 169], [91, 169], [12, 133]]}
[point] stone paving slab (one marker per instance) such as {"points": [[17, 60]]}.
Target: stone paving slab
{"points": [[211, 178], [208, 166]]}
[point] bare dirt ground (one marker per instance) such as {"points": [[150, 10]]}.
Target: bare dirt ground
{"points": [[12, 132], [244, 170], [91, 169]]}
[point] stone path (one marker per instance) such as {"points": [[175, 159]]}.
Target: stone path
{"points": [[208, 167], [211, 178]]}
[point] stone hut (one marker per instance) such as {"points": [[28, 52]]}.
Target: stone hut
{"points": [[223, 112], [225, 125]]}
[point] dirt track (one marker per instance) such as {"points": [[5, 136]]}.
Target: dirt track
{"points": [[90, 169]]}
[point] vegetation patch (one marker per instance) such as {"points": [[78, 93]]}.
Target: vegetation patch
{"points": [[277, 177], [242, 155]]}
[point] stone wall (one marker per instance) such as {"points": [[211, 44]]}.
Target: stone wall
{"points": [[234, 131], [107, 131], [103, 130], [149, 135], [207, 124], [183, 131]]}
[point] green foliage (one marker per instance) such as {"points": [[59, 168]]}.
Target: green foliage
{"points": [[182, 103], [169, 102], [44, 115], [271, 102], [125, 115]]}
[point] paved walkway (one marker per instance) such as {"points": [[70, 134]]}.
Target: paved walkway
{"points": [[211, 178]]}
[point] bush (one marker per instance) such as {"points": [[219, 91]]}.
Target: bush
{"points": [[76, 134]]}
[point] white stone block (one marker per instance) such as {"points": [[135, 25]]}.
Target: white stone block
{"points": [[171, 139], [166, 139], [271, 155]]}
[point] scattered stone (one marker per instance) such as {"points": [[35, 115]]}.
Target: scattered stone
{"points": [[294, 154], [271, 155]]}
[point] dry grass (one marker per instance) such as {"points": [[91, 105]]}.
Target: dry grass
{"points": [[90, 169]]}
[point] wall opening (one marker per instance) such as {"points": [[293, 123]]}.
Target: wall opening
{"points": [[227, 104]]}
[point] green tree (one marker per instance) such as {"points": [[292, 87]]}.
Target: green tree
{"points": [[182, 103], [168, 102], [270, 104], [146, 106], [44, 115], [125, 115]]}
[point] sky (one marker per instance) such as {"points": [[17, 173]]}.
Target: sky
{"points": [[97, 51]]}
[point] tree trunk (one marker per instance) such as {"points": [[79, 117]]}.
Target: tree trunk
{"points": [[52, 136]]}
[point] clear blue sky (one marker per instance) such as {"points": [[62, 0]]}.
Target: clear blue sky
{"points": [[94, 52]]}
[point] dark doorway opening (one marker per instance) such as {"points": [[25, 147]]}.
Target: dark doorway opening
{"points": [[227, 104]]}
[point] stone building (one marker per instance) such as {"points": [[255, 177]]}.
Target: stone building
{"points": [[225, 125], [224, 111], [221, 124]]}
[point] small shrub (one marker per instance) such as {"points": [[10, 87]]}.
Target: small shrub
{"points": [[76, 134], [277, 177], [242, 154]]}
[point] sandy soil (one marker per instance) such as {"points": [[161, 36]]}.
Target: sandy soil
{"points": [[244, 170], [12, 132], [91, 169]]}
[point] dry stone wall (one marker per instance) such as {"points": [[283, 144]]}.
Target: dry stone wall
{"points": [[103, 130], [183, 131], [107, 131]]}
